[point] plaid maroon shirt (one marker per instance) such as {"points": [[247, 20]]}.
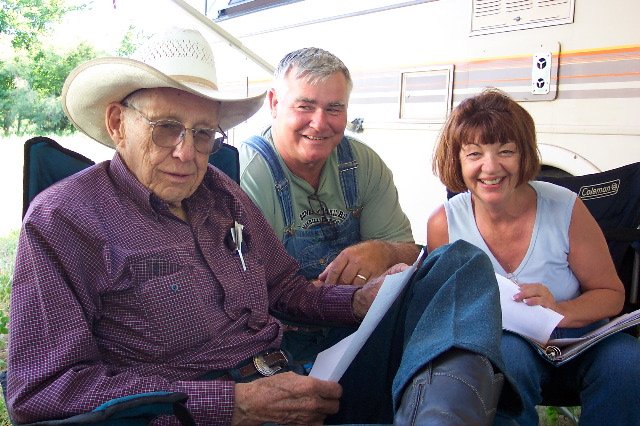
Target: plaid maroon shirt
{"points": [[113, 295]]}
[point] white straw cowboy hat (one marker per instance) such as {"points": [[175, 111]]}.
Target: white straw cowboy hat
{"points": [[180, 59]]}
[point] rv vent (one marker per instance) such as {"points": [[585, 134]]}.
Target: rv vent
{"points": [[492, 16]]}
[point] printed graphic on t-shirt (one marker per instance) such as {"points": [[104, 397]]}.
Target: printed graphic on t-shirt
{"points": [[310, 217]]}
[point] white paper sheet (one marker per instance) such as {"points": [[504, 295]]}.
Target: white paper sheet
{"points": [[331, 363], [535, 322]]}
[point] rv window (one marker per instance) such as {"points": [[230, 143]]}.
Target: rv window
{"points": [[426, 94]]}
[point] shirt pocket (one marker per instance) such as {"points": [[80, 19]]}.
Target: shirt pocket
{"points": [[175, 311], [172, 302]]}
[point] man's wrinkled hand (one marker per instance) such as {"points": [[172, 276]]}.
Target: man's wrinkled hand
{"points": [[286, 398]]}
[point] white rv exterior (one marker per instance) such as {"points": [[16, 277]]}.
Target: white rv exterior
{"points": [[573, 64]]}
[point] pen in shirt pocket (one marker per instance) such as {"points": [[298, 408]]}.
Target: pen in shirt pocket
{"points": [[236, 237]]}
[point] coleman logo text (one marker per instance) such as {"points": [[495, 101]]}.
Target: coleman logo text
{"points": [[605, 189]]}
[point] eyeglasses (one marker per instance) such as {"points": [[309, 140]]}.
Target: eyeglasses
{"points": [[327, 225], [169, 133]]}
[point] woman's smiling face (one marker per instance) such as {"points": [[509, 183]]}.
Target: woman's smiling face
{"points": [[490, 170]]}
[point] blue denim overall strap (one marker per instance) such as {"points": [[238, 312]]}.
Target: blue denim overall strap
{"points": [[347, 166], [311, 247], [281, 183]]}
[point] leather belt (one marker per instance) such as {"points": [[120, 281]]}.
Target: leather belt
{"points": [[302, 328], [265, 364]]}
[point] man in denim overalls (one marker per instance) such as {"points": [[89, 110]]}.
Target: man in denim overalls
{"points": [[332, 201], [330, 197]]}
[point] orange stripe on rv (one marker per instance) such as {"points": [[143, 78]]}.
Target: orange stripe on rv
{"points": [[604, 50], [601, 75], [573, 56]]}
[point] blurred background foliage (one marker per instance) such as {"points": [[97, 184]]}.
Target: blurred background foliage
{"points": [[32, 72]]}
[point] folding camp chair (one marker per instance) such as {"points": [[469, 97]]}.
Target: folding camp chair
{"points": [[613, 198], [133, 410], [45, 163]]}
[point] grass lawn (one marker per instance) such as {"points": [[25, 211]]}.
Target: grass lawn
{"points": [[7, 256]]}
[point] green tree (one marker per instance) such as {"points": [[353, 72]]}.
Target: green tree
{"points": [[47, 70], [25, 103], [7, 86], [25, 20], [37, 105], [31, 82], [128, 43]]}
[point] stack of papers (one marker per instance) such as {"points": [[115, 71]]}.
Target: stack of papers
{"points": [[537, 323]]}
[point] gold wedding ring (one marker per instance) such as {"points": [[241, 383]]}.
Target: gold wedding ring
{"points": [[362, 277]]}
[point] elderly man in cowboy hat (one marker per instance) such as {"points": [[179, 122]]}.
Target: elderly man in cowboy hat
{"points": [[126, 282]]}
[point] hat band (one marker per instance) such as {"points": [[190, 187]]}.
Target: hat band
{"points": [[195, 80]]}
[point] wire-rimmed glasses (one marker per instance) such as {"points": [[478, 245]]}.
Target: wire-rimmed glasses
{"points": [[327, 225], [169, 133]]}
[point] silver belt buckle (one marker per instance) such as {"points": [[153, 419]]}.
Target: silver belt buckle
{"points": [[265, 369]]}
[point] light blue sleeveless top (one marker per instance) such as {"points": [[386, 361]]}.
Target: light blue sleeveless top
{"points": [[546, 260]]}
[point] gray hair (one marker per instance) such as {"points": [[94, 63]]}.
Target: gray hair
{"points": [[313, 64]]}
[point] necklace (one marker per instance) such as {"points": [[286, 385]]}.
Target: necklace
{"points": [[513, 277]]}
